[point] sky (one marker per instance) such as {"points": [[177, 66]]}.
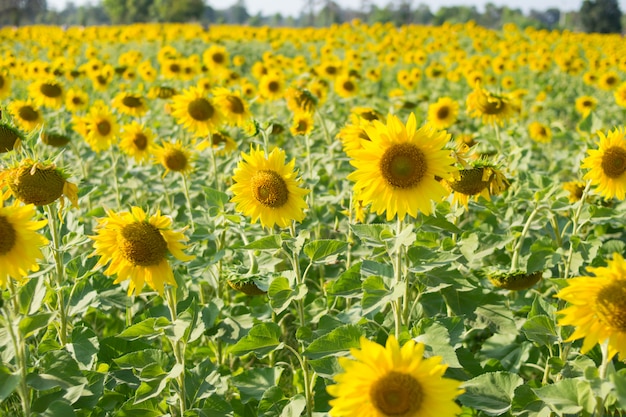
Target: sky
{"points": [[294, 7]]}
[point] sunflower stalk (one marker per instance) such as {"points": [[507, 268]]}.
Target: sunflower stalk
{"points": [[401, 305], [57, 253], [602, 371], [19, 345], [575, 229], [188, 199], [517, 250], [308, 383], [179, 347], [118, 200]]}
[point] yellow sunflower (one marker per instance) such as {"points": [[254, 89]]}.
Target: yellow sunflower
{"points": [[490, 107], [136, 247], [137, 141], [216, 57], [5, 85], [76, 100], [575, 189], [620, 95], [597, 307], [302, 124], [540, 132], [196, 112], [101, 127], [272, 86], [130, 104], [346, 86], [481, 180], [393, 381], [353, 134], [38, 183], [47, 92], [235, 109], [300, 100], [443, 113], [609, 80], [396, 169], [585, 104], [607, 164], [174, 157], [20, 244], [10, 138], [25, 114], [267, 189]]}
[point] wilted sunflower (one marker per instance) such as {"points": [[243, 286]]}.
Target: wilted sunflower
{"points": [[20, 244], [10, 138], [38, 183], [267, 189], [220, 142], [539, 132], [47, 92], [235, 109], [25, 114], [137, 141], [490, 107], [300, 100], [481, 180], [597, 307], [137, 246], [393, 381], [302, 124], [130, 104], [585, 105], [607, 164], [396, 169], [443, 113], [196, 112], [174, 157]]}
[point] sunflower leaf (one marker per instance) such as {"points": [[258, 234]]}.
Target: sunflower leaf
{"points": [[262, 339], [337, 341], [568, 396], [491, 393], [271, 242], [321, 249]]}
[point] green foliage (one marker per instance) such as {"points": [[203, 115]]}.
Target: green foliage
{"points": [[601, 16]]}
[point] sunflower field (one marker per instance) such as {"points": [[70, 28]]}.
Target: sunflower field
{"points": [[352, 221]]}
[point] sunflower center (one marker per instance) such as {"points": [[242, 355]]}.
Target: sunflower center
{"points": [[175, 68], [443, 112], [28, 113], [235, 104], [175, 160], [142, 244], [218, 58], [131, 101], [614, 162], [104, 127], [50, 90], [611, 305], [587, 103], [8, 137], [302, 126], [273, 86], [348, 86], [77, 100], [8, 235], [40, 186], [1, 81], [397, 394], [470, 182], [269, 189], [217, 138], [140, 141], [403, 165], [611, 80], [494, 105], [200, 109]]}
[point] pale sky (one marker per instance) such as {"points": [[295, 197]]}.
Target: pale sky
{"points": [[294, 7]]}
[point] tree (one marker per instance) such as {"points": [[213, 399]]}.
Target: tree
{"points": [[177, 10], [601, 16], [13, 12]]}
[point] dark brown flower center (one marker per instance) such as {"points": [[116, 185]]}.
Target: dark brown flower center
{"points": [[443, 112], [218, 58], [235, 105], [51, 90], [132, 101], [614, 162], [273, 86], [1, 81], [38, 186], [611, 305], [403, 165], [397, 394], [470, 182], [200, 109], [349, 86], [140, 141], [77, 100], [8, 235], [175, 160], [142, 244], [103, 127], [28, 113], [269, 189]]}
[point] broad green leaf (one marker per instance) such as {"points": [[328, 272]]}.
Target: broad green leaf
{"points": [[320, 249], [327, 367], [372, 234], [369, 268], [83, 296], [295, 407], [281, 294], [441, 223], [337, 341], [619, 381], [491, 393], [568, 396], [58, 369], [261, 339], [152, 388], [437, 338], [272, 242], [215, 198], [214, 406], [378, 292], [84, 347], [272, 402], [146, 329], [143, 358], [30, 324], [253, 383], [31, 295], [541, 329], [59, 408], [8, 382], [348, 284]]}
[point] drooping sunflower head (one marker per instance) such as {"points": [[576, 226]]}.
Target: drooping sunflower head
{"points": [[162, 91], [174, 157], [300, 100], [491, 107], [483, 179], [221, 143], [392, 381], [10, 138], [130, 104], [514, 280], [137, 245], [443, 113], [196, 112], [54, 139], [25, 114], [607, 165], [38, 183], [267, 189]]}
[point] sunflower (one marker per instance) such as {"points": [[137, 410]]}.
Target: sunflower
{"points": [[575, 189], [481, 180], [130, 104], [393, 381], [608, 81], [266, 189], [353, 134], [302, 124], [162, 91], [216, 57], [272, 86], [443, 113], [38, 183], [25, 114], [136, 247], [607, 164], [490, 107], [346, 86], [174, 157], [54, 139], [396, 169], [620, 95], [76, 100], [585, 105], [540, 132], [5, 85], [220, 142], [235, 109], [597, 307], [137, 141], [20, 244], [300, 100], [10, 138], [101, 127], [196, 112], [47, 92]]}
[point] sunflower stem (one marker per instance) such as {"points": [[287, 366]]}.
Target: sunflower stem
{"points": [[397, 266], [517, 250], [216, 182], [308, 394], [59, 271], [309, 163], [602, 371], [115, 182], [575, 229], [179, 347], [188, 199]]}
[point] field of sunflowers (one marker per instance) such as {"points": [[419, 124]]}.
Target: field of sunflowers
{"points": [[353, 221]]}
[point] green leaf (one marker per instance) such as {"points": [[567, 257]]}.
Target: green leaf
{"points": [[8, 382], [378, 292], [215, 198], [568, 396], [83, 296], [143, 358], [437, 338], [272, 402], [215, 406], [320, 249], [272, 242], [348, 284], [59, 408], [491, 393], [337, 341], [30, 324], [441, 223], [156, 384], [372, 234], [262, 339], [31, 295], [84, 347], [253, 383], [281, 293], [295, 407], [541, 329], [619, 381], [148, 329]]}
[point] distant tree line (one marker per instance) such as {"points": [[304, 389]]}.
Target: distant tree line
{"points": [[602, 16]]}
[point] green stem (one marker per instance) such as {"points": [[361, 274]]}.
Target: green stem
{"points": [[296, 269], [309, 163], [59, 271], [602, 374], [216, 180], [115, 182], [189, 207], [397, 266], [520, 241], [20, 350], [575, 229], [179, 348], [308, 392]]}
